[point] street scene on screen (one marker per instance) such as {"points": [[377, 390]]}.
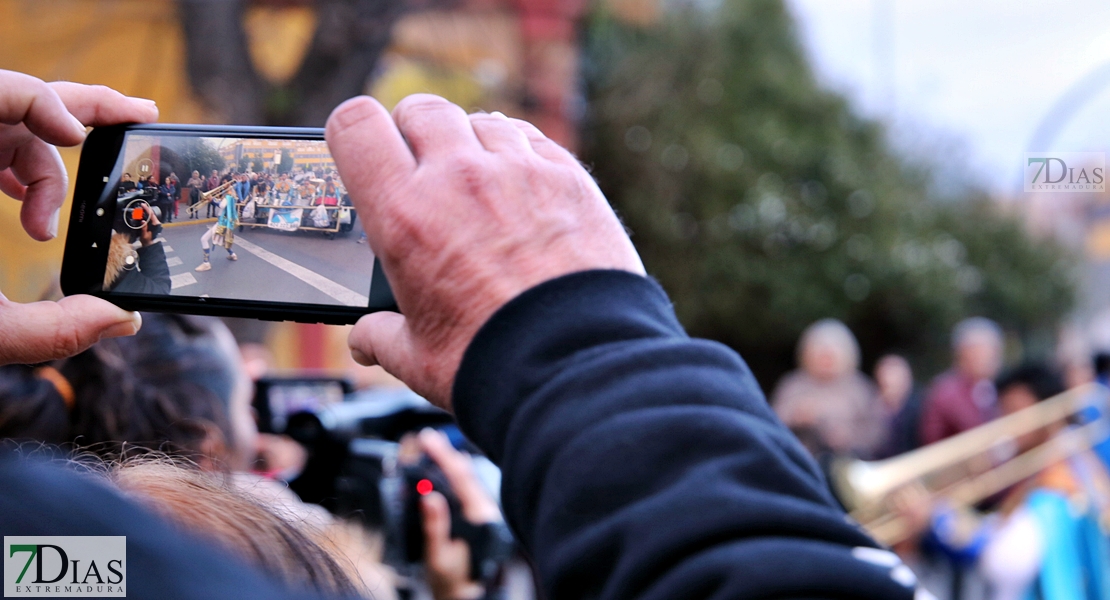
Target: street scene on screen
{"points": [[244, 219]]}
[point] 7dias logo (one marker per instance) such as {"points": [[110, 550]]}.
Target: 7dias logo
{"points": [[1065, 172], [70, 566]]}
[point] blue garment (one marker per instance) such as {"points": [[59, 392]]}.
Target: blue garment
{"points": [[229, 216], [242, 189], [640, 463], [1075, 554]]}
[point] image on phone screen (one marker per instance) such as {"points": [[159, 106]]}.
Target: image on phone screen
{"points": [[234, 218]]}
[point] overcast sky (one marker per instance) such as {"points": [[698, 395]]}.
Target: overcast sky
{"points": [[984, 73]]}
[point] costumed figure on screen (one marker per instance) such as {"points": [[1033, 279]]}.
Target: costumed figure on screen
{"points": [[223, 232]]}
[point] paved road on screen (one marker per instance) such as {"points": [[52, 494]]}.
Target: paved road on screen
{"points": [[301, 266]]}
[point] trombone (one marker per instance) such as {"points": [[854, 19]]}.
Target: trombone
{"points": [[206, 197], [974, 465]]}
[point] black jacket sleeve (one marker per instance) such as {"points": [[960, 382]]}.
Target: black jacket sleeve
{"points": [[152, 276], [641, 463]]}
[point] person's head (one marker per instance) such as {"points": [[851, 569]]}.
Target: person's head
{"points": [[1026, 385], [125, 177], [977, 345], [828, 350], [196, 173], [215, 173], [894, 379], [211, 506], [177, 386]]}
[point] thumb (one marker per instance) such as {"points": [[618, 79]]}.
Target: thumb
{"points": [[42, 331], [384, 338]]}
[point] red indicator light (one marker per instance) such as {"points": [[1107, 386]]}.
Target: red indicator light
{"points": [[137, 214], [424, 487]]}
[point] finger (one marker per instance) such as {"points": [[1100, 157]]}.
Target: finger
{"points": [[437, 523], [543, 145], [368, 149], [96, 105], [42, 331], [10, 185], [39, 167], [31, 101], [383, 338], [498, 134], [459, 470], [434, 127]]}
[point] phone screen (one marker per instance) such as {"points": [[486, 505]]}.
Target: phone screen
{"points": [[235, 218], [284, 398]]}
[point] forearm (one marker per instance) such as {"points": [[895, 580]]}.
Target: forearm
{"points": [[641, 463]]}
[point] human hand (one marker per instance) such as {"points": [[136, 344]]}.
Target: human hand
{"points": [[146, 238], [469, 213], [447, 560], [34, 118]]}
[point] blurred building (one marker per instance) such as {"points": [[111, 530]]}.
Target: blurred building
{"points": [[517, 56]]}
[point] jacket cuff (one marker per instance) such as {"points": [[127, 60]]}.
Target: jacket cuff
{"points": [[541, 332]]}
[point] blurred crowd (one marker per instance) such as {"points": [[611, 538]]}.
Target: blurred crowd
{"points": [[1042, 535], [170, 418]]}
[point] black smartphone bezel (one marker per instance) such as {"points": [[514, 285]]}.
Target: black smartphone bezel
{"points": [[86, 249]]}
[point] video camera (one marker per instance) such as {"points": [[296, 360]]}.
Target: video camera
{"points": [[354, 468], [134, 210]]}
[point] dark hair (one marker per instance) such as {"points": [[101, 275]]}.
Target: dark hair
{"points": [[1043, 381], [1102, 363], [166, 388]]}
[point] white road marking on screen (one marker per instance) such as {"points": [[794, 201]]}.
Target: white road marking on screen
{"points": [[173, 261], [168, 248], [342, 294], [181, 279]]}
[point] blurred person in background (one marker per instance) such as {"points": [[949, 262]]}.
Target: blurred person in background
{"points": [[1049, 542], [901, 403], [284, 545], [212, 183], [1043, 537], [180, 387], [196, 185], [828, 398], [964, 396]]}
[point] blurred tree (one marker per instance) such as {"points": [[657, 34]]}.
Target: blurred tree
{"points": [[349, 39], [762, 203]]}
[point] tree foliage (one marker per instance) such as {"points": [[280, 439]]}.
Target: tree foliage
{"points": [[762, 202]]}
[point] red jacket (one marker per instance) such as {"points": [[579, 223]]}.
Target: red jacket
{"points": [[955, 404]]}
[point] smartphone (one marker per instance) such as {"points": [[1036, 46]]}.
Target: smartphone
{"points": [[226, 221]]}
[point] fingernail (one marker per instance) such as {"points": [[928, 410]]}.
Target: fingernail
{"points": [[126, 328], [499, 114], [52, 227], [147, 101], [361, 358], [78, 126]]}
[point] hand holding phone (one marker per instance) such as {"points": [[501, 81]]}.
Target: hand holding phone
{"points": [[253, 241], [35, 116]]}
